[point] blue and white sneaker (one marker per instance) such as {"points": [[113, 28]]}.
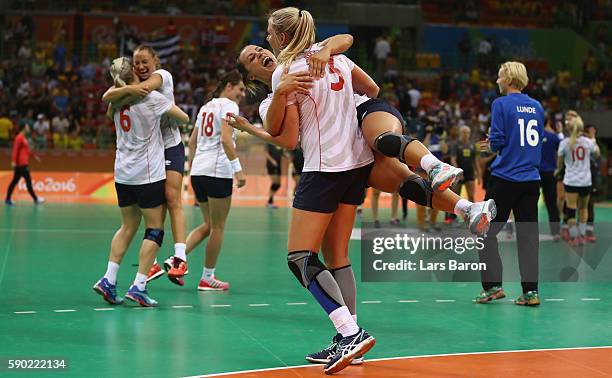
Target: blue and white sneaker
{"points": [[9, 203], [348, 349], [108, 291], [325, 355], [442, 176], [479, 216], [140, 297]]}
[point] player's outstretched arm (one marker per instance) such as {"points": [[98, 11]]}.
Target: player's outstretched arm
{"points": [[287, 138], [363, 83], [337, 44], [177, 114], [114, 94], [289, 85]]}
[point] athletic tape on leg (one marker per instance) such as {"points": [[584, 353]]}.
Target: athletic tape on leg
{"points": [[313, 275]]}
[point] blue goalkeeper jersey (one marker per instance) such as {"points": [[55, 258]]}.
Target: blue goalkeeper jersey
{"points": [[516, 134]]}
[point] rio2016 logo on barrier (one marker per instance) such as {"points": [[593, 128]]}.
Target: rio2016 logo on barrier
{"points": [[50, 185]]}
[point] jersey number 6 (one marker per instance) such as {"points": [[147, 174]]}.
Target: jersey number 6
{"points": [[124, 120], [207, 129]]}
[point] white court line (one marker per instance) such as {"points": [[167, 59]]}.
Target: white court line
{"points": [[590, 299], [220, 305], [370, 302], [142, 308], [182, 306], [258, 305], [70, 310], [408, 301], [104, 309], [445, 300], [296, 303], [403, 358], [24, 312], [554, 299]]}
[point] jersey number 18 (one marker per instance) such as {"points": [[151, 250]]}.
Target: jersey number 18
{"points": [[207, 130]]}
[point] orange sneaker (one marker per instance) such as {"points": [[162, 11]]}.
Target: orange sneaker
{"points": [[155, 272], [178, 269], [213, 284]]}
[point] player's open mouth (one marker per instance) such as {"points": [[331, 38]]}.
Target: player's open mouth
{"points": [[267, 61]]}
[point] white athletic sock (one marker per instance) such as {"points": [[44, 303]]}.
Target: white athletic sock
{"points": [[573, 230], [179, 251], [590, 227], [208, 274], [462, 206], [111, 272], [582, 227], [428, 162], [343, 321], [140, 281], [155, 261]]}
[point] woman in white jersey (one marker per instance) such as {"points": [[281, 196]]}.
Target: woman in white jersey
{"points": [[213, 161], [387, 175], [152, 77], [376, 117], [139, 181], [575, 156]]}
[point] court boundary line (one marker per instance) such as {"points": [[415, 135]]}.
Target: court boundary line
{"points": [[404, 358]]}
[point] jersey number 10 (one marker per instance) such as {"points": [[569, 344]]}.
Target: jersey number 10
{"points": [[207, 130], [578, 154], [532, 132]]}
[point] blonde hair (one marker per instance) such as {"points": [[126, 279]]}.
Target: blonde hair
{"points": [[121, 72], [516, 73], [299, 27], [576, 128]]}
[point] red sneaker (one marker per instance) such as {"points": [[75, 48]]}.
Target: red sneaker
{"points": [[591, 238], [155, 272], [179, 268], [213, 284]]}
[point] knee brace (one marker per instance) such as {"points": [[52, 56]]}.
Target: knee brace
{"points": [[570, 213], [393, 145], [417, 189], [274, 187], [155, 235], [305, 265]]}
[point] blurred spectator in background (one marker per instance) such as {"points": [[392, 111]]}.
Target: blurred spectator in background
{"points": [[382, 50], [41, 130]]}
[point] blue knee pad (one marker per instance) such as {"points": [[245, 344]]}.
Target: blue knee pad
{"points": [[155, 235]]}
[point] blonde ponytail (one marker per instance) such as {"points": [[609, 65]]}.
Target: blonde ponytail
{"points": [[121, 72], [299, 27], [576, 128]]}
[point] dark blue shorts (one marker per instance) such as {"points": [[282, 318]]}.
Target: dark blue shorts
{"points": [[378, 105], [582, 191], [214, 187], [322, 192], [146, 196], [175, 158]]}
